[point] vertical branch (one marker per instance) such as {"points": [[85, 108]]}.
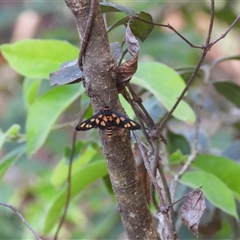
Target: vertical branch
{"points": [[99, 74]]}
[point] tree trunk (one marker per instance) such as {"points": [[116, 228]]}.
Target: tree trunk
{"points": [[100, 83]]}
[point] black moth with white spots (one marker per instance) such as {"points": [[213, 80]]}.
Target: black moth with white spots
{"points": [[107, 119]]}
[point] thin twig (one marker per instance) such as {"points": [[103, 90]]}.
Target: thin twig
{"points": [[148, 120], [164, 121], [191, 157], [159, 166], [22, 218], [126, 95], [171, 28], [123, 54], [226, 32], [69, 177], [86, 35], [205, 48], [192, 77], [166, 208]]}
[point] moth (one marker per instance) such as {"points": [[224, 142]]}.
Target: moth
{"points": [[106, 119]]}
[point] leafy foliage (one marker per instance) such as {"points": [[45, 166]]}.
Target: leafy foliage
{"points": [[37, 58], [166, 85], [41, 135], [221, 196]]}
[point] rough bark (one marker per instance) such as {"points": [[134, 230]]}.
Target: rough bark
{"points": [[99, 73]]}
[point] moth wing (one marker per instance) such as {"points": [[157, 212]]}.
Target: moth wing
{"points": [[102, 122], [121, 121], [92, 122]]}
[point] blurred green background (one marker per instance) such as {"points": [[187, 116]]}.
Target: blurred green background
{"points": [[27, 184]]}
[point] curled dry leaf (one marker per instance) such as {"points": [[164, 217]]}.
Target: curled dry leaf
{"points": [[142, 171], [131, 41], [126, 70], [192, 210]]}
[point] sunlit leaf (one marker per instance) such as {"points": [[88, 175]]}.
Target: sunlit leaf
{"points": [[9, 159], [13, 133], [80, 179], [60, 172], [30, 90], [166, 85], [223, 168], [216, 191], [38, 58], [127, 107], [177, 157], [44, 112]]}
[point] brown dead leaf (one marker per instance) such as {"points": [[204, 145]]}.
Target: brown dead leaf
{"points": [[131, 41], [142, 171], [192, 210], [127, 69]]}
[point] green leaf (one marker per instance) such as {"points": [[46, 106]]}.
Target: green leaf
{"points": [[12, 133], [177, 157], [110, 7], [30, 90], [229, 90], [216, 191], [127, 107], [166, 85], [2, 138], [177, 141], [44, 112], [103, 227], [80, 179], [122, 21], [141, 29], [9, 159], [223, 168], [38, 58], [60, 172]]}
